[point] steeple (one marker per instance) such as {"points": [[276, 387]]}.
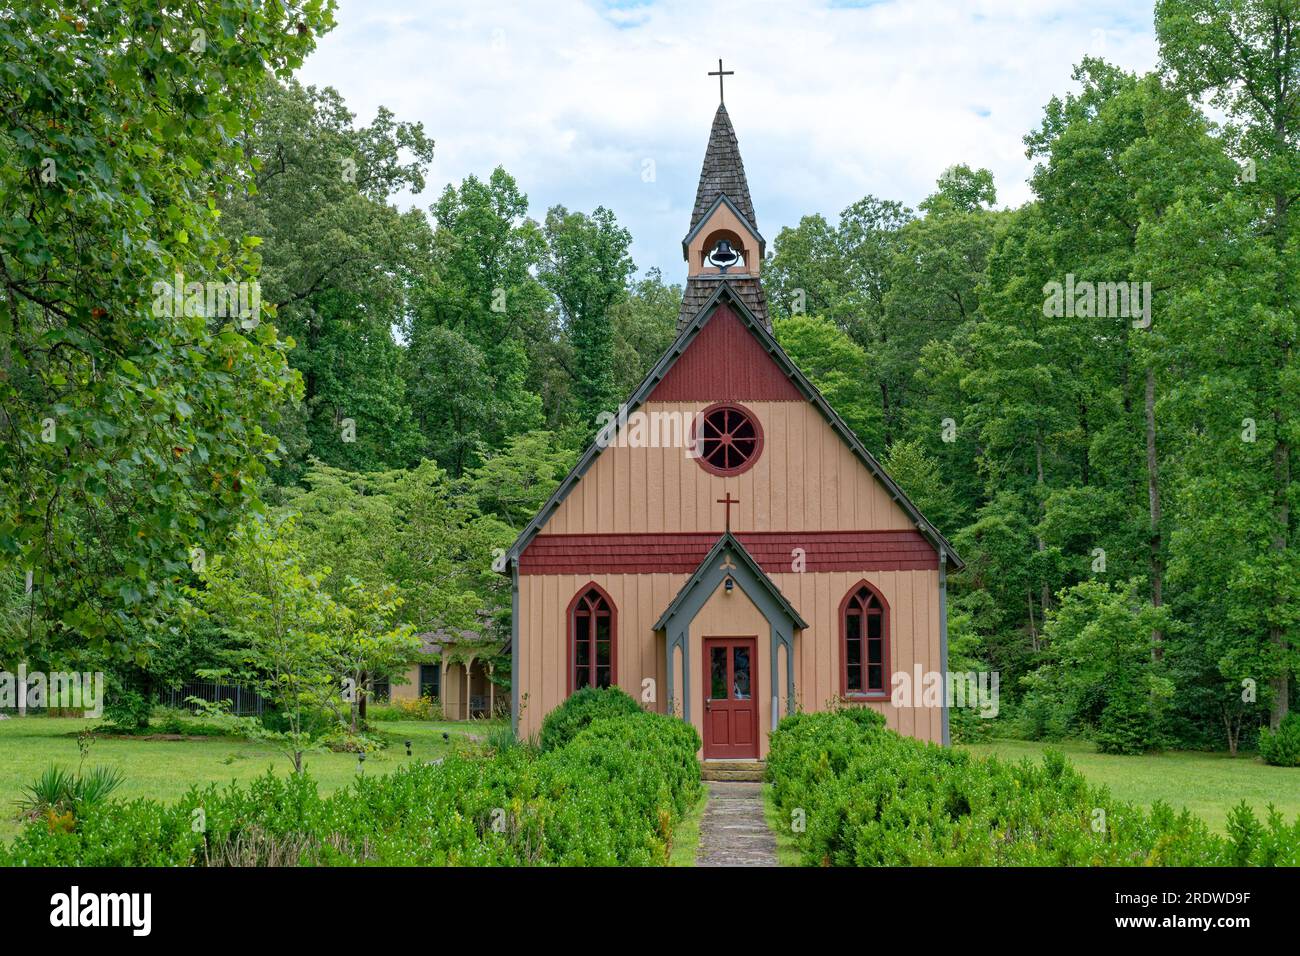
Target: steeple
{"points": [[723, 243], [723, 172]]}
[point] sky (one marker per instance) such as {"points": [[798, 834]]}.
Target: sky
{"points": [[608, 102]]}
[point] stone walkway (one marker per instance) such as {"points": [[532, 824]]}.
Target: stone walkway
{"points": [[734, 831]]}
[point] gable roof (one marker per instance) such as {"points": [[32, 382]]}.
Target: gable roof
{"points": [[724, 200], [700, 291], [730, 544], [723, 173], [685, 337]]}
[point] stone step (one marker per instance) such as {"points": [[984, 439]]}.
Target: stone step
{"points": [[734, 764], [748, 775]]}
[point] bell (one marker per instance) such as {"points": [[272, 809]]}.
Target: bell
{"points": [[723, 255]]}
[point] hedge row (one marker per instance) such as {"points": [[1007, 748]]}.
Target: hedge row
{"points": [[856, 794], [610, 796]]}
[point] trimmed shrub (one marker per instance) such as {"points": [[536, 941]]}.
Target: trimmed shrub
{"points": [[1281, 747], [566, 721], [868, 797], [611, 796]]}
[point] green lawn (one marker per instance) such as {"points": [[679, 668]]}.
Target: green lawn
{"points": [[787, 851], [1208, 784], [686, 835], [165, 769]]}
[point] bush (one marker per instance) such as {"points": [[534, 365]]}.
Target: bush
{"points": [[869, 797], [419, 708], [566, 721], [611, 796], [1128, 724], [127, 708], [1281, 747]]}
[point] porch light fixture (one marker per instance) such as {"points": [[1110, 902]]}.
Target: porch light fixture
{"points": [[730, 584]]}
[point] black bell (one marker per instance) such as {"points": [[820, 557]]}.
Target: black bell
{"points": [[723, 256]]}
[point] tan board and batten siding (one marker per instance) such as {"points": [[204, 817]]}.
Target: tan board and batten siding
{"points": [[806, 479]]}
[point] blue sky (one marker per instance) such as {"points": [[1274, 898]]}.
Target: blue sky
{"points": [[831, 100]]}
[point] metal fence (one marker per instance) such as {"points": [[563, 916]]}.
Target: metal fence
{"points": [[243, 702]]}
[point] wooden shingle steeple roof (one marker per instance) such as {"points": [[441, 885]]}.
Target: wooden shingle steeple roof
{"points": [[722, 180], [723, 174]]}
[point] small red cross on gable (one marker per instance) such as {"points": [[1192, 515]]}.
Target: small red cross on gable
{"points": [[728, 501]]}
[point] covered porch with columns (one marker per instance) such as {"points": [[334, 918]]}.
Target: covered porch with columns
{"points": [[730, 599]]}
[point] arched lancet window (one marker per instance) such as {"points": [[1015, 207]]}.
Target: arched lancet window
{"points": [[593, 639], [864, 643]]}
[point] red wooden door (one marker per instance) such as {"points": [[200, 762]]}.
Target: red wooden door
{"points": [[730, 698]]}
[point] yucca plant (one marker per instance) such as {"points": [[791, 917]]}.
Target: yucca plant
{"points": [[58, 791], [95, 787], [48, 792]]}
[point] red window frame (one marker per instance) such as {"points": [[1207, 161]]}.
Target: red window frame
{"points": [[591, 602], [855, 604], [697, 440]]}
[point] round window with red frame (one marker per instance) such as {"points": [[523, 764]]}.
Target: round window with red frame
{"points": [[728, 439]]}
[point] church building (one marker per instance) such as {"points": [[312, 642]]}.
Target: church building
{"points": [[727, 550]]}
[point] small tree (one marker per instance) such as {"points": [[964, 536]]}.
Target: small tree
{"points": [[283, 625], [367, 644], [1100, 639]]}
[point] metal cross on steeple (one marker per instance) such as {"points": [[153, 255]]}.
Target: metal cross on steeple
{"points": [[720, 73]]}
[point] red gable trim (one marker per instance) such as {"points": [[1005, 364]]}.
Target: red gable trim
{"points": [[725, 362], [682, 552]]}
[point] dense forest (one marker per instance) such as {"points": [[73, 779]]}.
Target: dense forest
{"points": [[1094, 395]]}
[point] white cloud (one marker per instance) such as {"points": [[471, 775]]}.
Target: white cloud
{"points": [[830, 100]]}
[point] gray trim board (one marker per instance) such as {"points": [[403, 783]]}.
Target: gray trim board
{"points": [[514, 649], [943, 642]]}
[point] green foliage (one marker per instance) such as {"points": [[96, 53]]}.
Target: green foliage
{"points": [[611, 796], [476, 318], [573, 716], [1101, 665], [869, 797], [127, 708], [57, 791], [297, 647], [414, 530], [337, 261], [132, 434], [921, 478], [1281, 747], [514, 483], [644, 324], [839, 367], [586, 268]]}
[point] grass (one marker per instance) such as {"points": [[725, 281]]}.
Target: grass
{"points": [[686, 835], [1208, 784], [787, 853], [166, 769]]}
